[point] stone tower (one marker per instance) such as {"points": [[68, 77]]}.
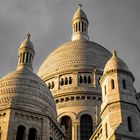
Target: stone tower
{"points": [[119, 110], [72, 73], [27, 108]]}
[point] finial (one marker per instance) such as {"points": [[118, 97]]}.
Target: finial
{"points": [[80, 5], [28, 35], [114, 53]]}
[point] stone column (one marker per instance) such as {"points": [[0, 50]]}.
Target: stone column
{"points": [[75, 130], [26, 135]]}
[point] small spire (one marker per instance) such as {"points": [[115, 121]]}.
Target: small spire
{"points": [[28, 35], [114, 53], [80, 5]]}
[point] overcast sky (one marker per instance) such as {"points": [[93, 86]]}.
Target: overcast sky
{"points": [[113, 24]]}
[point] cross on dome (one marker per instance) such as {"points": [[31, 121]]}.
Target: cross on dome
{"points": [[28, 35], [114, 53], [80, 5]]}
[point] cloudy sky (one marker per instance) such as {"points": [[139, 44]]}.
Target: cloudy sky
{"points": [[113, 24]]}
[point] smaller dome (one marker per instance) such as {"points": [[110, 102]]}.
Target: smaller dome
{"points": [[115, 63], [25, 90], [79, 14], [27, 42]]}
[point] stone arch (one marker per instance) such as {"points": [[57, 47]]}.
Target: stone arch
{"points": [[20, 132], [66, 122], [70, 114], [32, 134], [86, 126], [85, 112]]}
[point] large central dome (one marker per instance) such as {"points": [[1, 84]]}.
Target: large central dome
{"points": [[74, 55], [80, 54]]}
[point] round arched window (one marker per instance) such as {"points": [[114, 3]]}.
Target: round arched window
{"points": [[86, 127], [67, 123]]}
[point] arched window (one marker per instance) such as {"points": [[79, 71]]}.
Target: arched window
{"points": [[85, 79], [49, 85], [62, 82], [20, 133], [76, 27], [124, 84], [27, 56], [66, 80], [67, 123], [82, 27], [129, 122], [32, 134], [81, 79], [23, 57], [106, 130], [79, 26], [70, 80], [86, 127], [112, 84], [105, 89], [51, 138], [89, 80]]}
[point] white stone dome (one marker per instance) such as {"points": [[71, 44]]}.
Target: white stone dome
{"points": [[115, 63], [23, 89], [74, 55]]}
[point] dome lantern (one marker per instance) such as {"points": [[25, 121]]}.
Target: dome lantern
{"points": [[26, 54], [80, 25]]}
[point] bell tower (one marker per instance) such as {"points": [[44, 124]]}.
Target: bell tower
{"points": [[119, 109], [80, 25], [26, 54]]}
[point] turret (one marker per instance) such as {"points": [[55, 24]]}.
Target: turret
{"points": [[119, 109], [26, 54], [80, 25]]}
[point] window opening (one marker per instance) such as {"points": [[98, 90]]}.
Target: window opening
{"points": [[129, 122], [67, 123], [106, 130], [76, 27], [49, 85], [85, 79], [32, 134], [105, 89], [66, 81], [70, 80], [27, 55], [20, 133], [81, 79], [86, 127], [62, 82], [124, 84], [112, 84], [89, 80], [79, 27], [82, 27]]}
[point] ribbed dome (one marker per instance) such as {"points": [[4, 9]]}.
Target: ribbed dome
{"points": [[115, 63], [79, 14], [23, 89], [75, 55]]}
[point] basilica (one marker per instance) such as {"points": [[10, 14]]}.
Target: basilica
{"points": [[82, 91]]}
